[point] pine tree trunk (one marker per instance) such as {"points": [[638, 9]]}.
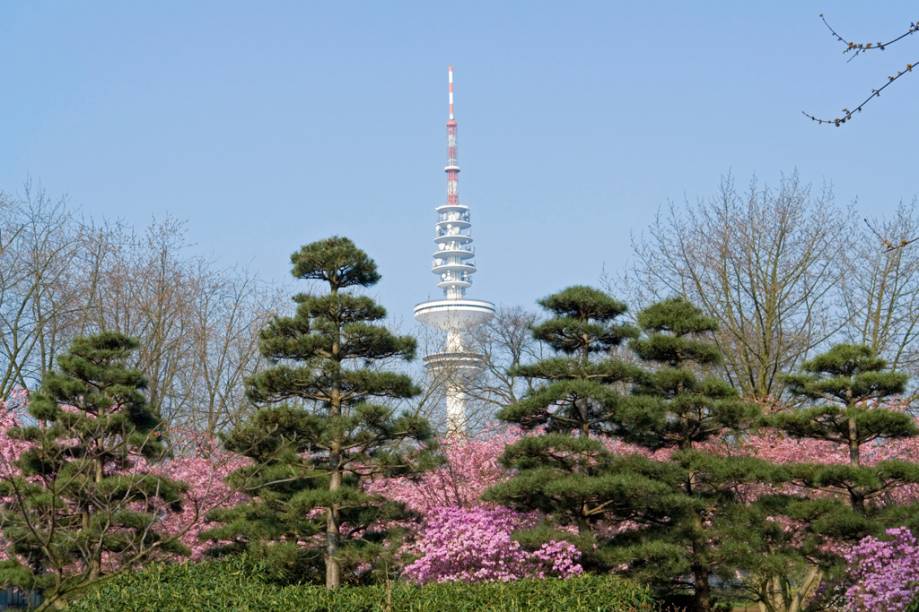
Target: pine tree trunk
{"points": [[857, 500], [702, 587], [332, 564], [95, 563], [854, 454]]}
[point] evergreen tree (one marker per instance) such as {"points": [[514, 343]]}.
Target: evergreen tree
{"points": [[694, 528], [690, 528], [80, 505], [846, 389], [322, 430], [560, 471]]}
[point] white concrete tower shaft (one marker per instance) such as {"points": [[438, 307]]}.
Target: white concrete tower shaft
{"points": [[455, 315]]}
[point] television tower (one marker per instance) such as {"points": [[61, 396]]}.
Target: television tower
{"points": [[455, 315]]}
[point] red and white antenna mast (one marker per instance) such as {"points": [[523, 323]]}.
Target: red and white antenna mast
{"points": [[452, 167], [455, 314]]}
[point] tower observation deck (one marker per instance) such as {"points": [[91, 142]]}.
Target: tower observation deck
{"points": [[457, 365]]}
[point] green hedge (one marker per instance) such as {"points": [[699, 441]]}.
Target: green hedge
{"points": [[236, 585]]}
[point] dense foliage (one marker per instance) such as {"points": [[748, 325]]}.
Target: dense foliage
{"points": [[75, 504], [560, 471], [238, 584], [847, 388], [327, 424]]}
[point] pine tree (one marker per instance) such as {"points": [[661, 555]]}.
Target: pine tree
{"points": [[847, 388], [325, 426], [559, 472], [80, 498], [693, 525], [691, 528]]}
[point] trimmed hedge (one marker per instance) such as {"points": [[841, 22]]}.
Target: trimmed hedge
{"points": [[234, 584]]}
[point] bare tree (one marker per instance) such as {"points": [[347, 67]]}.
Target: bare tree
{"points": [[766, 263], [881, 287], [197, 326], [61, 278], [228, 313], [505, 342], [36, 299], [853, 49]]}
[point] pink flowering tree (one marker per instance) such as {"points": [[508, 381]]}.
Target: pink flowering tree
{"points": [[461, 538], [203, 467], [470, 467]]}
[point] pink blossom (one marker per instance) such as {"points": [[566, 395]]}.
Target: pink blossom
{"points": [[471, 467], [474, 545], [885, 573]]}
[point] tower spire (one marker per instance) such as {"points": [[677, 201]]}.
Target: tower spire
{"points": [[452, 167], [453, 259], [455, 315], [450, 82]]}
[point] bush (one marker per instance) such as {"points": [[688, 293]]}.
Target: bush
{"points": [[884, 573], [237, 584]]}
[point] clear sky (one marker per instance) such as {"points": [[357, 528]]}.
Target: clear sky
{"points": [[267, 125]]}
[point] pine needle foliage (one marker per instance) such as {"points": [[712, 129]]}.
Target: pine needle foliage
{"points": [[576, 394], [327, 423], [693, 528], [846, 391], [689, 529], [77, 505], [560, 471]]}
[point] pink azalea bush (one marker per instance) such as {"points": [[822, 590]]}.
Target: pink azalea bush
{"points": [[884, 573], [474, 545], [462, 539]]}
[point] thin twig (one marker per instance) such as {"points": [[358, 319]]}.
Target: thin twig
{"points": [[847, 114], [861, 47]]}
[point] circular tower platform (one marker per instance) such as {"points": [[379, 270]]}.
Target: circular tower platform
{"points": [[449, 315]]}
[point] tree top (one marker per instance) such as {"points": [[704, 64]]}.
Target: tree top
{"points": [[845, 360], [677, 315], [583, 302], [337, 261]]}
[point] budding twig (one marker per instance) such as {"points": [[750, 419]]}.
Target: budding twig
{"points": [[857, 48]]}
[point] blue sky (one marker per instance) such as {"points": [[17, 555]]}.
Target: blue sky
{"points": [[267, 125]]}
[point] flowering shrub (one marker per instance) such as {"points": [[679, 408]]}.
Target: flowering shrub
{"points": [[471, 466], [885, 573], [475, 545]]}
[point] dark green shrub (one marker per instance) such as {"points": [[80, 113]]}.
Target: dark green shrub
{"points": [[237, 584], [914, 606]]}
